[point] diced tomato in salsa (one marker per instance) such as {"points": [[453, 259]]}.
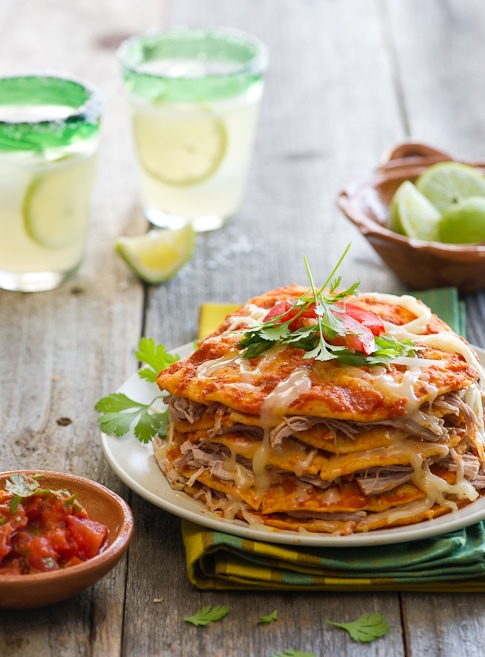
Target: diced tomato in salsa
{"points": [[45, 532], [88, 535]]}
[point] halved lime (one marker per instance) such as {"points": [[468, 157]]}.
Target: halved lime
{"points": [[411, 214], [464, 222], [449, 182], [180, 149], [157, 255], [56, 205]]}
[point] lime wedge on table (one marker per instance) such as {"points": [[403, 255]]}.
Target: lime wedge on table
{"points": [[157, 255], [180, 150], [55, 207], [411, 214], [449, 182], [464, 222]]}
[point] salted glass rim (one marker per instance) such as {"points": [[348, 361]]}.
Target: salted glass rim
{"points": [[89, 110], [255, 65]]}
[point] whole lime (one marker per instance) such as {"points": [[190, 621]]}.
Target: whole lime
{"points": [[463, 222]]}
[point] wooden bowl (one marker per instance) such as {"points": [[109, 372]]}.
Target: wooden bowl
{"points": [[103, 505], [419, 264]]}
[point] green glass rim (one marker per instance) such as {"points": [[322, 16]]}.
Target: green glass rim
{"points": [[45, 89], [245, 55]]}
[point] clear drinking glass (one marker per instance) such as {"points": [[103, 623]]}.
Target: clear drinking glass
{"points": [[49, 129], [194, 97]]}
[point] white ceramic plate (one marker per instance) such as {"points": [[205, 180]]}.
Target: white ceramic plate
{"points": [[135, 464]]}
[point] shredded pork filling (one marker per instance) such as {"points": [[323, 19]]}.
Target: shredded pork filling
{"points": [[448, 414]]}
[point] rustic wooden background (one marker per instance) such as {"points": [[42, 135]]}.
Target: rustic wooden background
{"points": [[347, 81]]}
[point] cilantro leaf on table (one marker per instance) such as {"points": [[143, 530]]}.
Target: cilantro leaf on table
{"points": [[119, 412], [207, 615], [268, 618], [366, 628]]}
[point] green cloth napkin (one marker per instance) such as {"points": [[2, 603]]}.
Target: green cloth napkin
{"points": [[453, 562]]}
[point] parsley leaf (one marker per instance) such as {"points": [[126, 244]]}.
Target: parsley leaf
{"points": [[366, 628], [120, 413], [268, 618], [207, 615], [155, 356], [293, 653]]}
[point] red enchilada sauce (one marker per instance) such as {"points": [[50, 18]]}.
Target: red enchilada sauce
{"points": [[42, 530]]}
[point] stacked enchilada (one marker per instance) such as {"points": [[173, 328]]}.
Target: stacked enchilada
{"points": [[301, 439]]}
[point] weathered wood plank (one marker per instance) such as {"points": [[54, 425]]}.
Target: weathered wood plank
{"points": [[304, 153], [438, 53], [63, 350]]}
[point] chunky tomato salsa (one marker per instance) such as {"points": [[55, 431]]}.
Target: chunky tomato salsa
{"points": [[43, 530]]}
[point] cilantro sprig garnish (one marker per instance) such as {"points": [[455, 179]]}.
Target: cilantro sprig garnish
{"points": [[387, 350], [21, 486], [318, 323], [366, 628], [119, 412]]}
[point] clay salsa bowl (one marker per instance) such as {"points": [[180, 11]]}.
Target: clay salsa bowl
{"points": [[421, 265], [103, 505]]}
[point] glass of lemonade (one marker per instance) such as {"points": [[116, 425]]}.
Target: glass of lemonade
{"points": [[194, 97], [49, 130]]}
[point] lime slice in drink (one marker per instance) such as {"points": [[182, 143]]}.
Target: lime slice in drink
{"points": [[464, 222], [449, 182], [56, 205], [159, 254], [411, 214], [179, 149]]}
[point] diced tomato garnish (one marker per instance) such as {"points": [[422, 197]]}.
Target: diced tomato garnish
{"points": [[360, 325], [365, 317], [358, 336], [287, 311], [279, 308]]}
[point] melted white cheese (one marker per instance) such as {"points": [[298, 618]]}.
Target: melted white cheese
{"points": [[278, 401], [262, 477]]}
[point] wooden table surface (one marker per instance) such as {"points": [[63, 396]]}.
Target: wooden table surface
{"points": [[347, 81]]}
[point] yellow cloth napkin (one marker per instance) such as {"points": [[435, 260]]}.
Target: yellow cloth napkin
{"points": [[213, 314], [452, 562]]}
